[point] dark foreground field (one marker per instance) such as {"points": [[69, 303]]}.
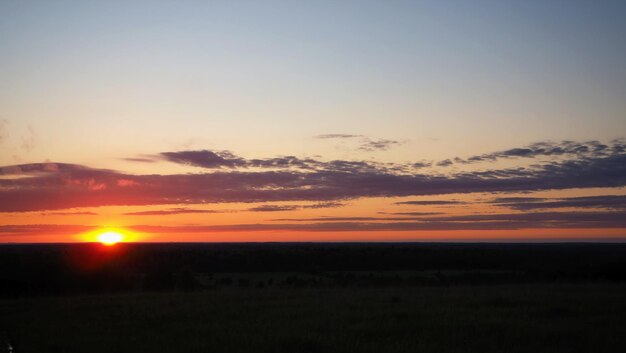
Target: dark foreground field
{"points": [[313, 298], [508, 318]]}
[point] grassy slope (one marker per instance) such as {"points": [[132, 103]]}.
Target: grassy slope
{"points": [[521, 318]]}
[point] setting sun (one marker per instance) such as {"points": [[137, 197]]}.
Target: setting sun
{"points": [[110, 237]]}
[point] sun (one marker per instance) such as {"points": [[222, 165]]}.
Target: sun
{"points": [[110, 237]]}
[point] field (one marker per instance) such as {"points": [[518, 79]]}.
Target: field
{"points": [[512, 318], [575, 304]]}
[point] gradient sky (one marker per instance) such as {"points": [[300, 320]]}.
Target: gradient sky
{"points": [[318, 120]]}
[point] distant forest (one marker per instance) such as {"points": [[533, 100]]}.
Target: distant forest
{"points": [[62, 269]]}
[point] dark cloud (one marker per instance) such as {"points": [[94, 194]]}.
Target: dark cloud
{"points": [[329, 219], [543, 219], [430, 202], [224, 159], [325, 205], [378, 145], [517, 199], [140, 160], [593, 149], [34, 169], [285, 162], [170, 211], [337, 136], [366, 143], [275, 208], [530, 203], [419, 214], [46, 229], [351, 219], [78, 213], [272, 208], [54, 186], [419, 165], [444, 163], [205, 159]]}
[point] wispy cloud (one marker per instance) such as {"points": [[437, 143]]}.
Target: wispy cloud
{"points": [[337, 136], [378, 145], [430, 202], [591, 149], [141, 159], [275, 208], [170, 211], [365, 143], [77, 213], [534, 203]]}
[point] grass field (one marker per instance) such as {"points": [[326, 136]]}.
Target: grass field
{"points": [[505, 318]]}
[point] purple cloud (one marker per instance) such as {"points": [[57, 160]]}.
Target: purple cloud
{"points": [[531, 203], [378, 145], [592, 149], [430, 202], [54, 186], [171, 211]]}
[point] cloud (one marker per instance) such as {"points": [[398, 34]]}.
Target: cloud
{"points": [[275, 208], [445, 163], [171, 211], [418, 165], [378, 145], [594, 149], [35, 169], [430, 202], [352, 219], [419, 214], [205, 159], [140, 159], [325, 205], [47, 229], [366, 144], [272, 208], [285, 162], [531, 203], [225, 159], [77, 213], [55, 186], [337, 136]]}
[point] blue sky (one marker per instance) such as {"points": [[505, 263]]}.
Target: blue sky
{"points": [[460, 72]]}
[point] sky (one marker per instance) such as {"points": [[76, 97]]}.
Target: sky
{"points": [[313, 120]]}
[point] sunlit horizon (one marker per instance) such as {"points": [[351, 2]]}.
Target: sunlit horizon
{"points": [[313, 122]]}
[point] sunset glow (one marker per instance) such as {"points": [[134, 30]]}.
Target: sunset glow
{"points": [[247, 121]]}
